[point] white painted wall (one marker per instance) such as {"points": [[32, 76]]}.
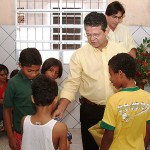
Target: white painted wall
{"points": [[7, 12]]}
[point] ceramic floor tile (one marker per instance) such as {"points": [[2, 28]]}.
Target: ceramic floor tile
{"points": [[4, 142], [76, 139]]}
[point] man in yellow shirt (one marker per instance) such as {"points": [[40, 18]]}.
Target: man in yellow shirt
{"points": [[118, 32], [88, 74]]}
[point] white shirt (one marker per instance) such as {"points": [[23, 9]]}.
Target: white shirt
{"points": [[37, 137]]}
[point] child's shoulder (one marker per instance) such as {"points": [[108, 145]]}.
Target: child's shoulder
{"points": [[59, 128], [17, 79]]}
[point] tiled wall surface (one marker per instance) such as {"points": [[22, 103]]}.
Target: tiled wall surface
{"points": [[8, 57]]}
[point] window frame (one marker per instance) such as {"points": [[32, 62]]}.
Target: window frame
{"points": [[62, 54]]}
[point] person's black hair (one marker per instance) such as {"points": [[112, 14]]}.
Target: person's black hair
{"points": [[14, 72], [96, 19], [51, 62], [113, 8], [4, 68], [123, 62], [29, 57], [44, 90]]}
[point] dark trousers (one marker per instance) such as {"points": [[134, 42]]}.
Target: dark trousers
{"points": [[89, 116]]}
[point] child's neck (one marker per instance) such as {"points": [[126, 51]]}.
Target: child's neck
{"points": [[129, 84], [43, 115]]}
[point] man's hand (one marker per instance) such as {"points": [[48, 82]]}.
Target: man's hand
{"points": [[58, 113], [133, 52]]}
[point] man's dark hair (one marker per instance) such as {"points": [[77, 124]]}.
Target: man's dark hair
{"points": [[4, 68], [51, 62], [29, 57], [113, 8], [96, 19], [44, 90], [123, 62]]}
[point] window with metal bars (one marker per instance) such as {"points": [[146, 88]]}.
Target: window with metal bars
{"points": [[54, 27], [71, 34]]}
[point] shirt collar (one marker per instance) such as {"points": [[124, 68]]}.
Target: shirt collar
{"points": [[130, 89], [20, 73], [97, 50]]}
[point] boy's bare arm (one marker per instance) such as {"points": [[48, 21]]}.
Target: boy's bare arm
{"points": [[147, 136], [60, 139], [107, 140], [7, 113], [63, 137]]}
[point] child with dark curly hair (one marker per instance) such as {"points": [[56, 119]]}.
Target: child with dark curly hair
{"points": [[41, 131], [127, 117]]}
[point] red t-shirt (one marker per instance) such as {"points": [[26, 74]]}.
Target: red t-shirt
{"points": [[2, 90]]}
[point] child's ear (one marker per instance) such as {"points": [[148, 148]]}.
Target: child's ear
{"points": [[32, 99], [121, 74]]}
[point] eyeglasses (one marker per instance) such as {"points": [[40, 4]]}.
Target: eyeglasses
{"points": [[96, 36], [116, 17]]}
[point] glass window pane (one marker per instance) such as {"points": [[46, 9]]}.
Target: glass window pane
{"points": [[66, 56], [23, 46], [31, 45], [38, 34], [47, 54], [31, 34]]}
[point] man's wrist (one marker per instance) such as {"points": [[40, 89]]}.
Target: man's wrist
{"points": [[63, 103]]}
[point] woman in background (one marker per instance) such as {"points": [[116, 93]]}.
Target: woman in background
{"points": [[3, 83]]}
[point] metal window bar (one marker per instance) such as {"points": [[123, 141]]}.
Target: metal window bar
{"points": [[35, 13]]}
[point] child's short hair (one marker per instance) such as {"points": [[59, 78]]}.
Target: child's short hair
{"points": [[50, 62], [4, 68], [29, 57], [44, 90], [123, 62]]}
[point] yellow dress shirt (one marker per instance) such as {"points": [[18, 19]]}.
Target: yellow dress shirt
{"points": [[88, 73], [122, 35]]}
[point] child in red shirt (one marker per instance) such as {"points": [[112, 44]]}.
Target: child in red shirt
{"points": [[3, 83]]}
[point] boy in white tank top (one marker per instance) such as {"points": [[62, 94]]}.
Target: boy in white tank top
{"points": [[40, 131]]}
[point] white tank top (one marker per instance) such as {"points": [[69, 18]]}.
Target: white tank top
{"points": [[37, 137]]}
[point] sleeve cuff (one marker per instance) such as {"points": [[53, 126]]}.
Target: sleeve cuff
{"points": [[106, 126]]}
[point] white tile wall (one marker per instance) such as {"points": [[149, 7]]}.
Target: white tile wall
{"points": [[8, 57], [7, 46]]}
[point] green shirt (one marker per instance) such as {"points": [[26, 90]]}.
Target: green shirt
{"points": [[18, 96]]}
